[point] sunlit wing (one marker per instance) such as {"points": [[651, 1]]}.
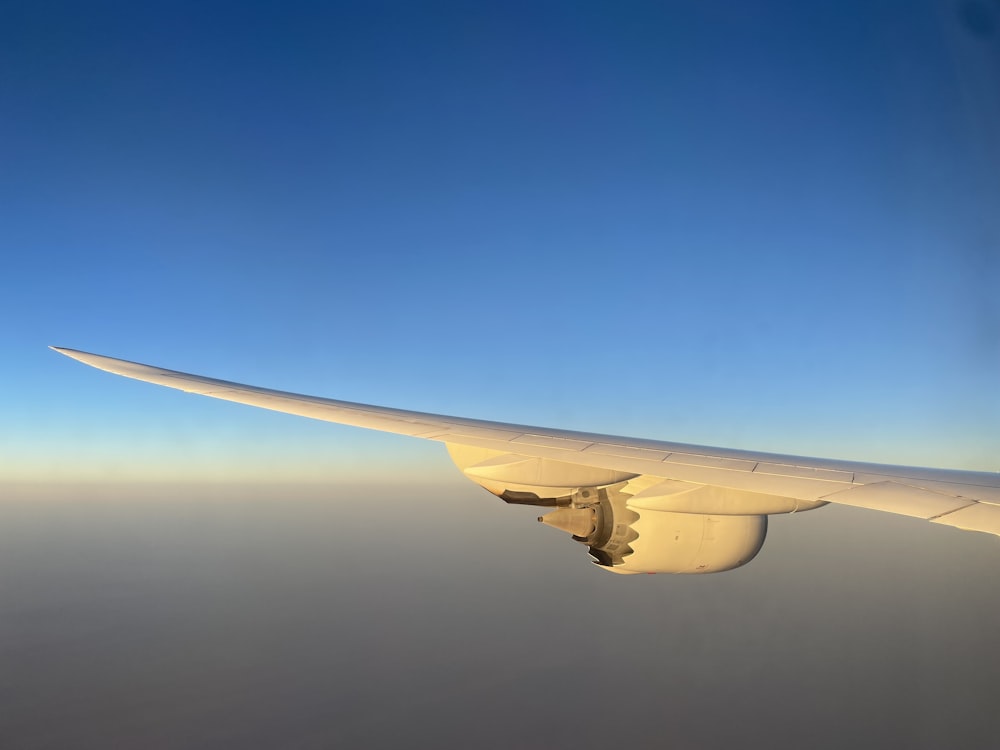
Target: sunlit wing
{"points": [[665, 476]]}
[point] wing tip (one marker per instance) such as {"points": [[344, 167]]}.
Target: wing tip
{"points": [[72, 353], [94, 360]]}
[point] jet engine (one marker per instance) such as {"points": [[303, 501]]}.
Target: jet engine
{"points": [[655, 533], [626, 540]]}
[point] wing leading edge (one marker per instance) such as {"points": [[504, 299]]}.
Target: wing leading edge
{"points": [[963, 499]]}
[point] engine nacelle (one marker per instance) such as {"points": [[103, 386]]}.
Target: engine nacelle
{"points": [[648, 535], [690, 543], [628, 540]]}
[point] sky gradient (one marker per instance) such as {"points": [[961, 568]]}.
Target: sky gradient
{"points": [[771, 229]]}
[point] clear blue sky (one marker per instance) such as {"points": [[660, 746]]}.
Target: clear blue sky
{"points": [[773, 228]]}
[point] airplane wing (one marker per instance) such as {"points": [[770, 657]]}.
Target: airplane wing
{"points": [[667, 471]]}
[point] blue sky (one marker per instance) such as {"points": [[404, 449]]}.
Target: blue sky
{"points": [[771, 228]]}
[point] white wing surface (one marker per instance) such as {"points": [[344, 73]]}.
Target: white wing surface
{"points": [[664, 471]]}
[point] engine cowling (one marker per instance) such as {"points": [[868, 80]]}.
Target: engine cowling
{"points": [[596, 507], [628, 540]]}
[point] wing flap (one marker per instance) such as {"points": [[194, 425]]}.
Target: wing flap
{"points": [[625, 451], [893, 497], [974, 517]]}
